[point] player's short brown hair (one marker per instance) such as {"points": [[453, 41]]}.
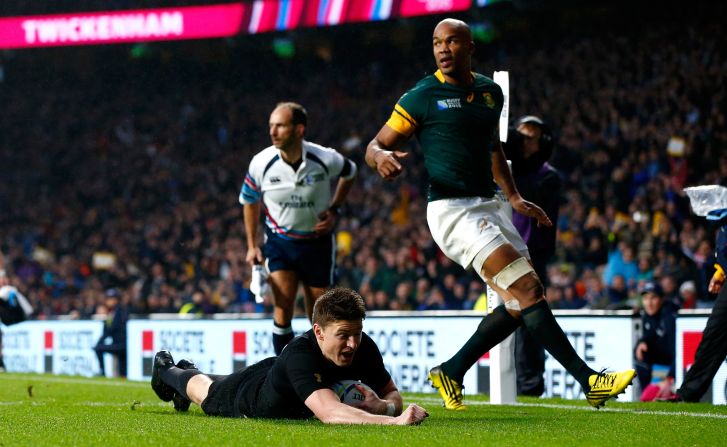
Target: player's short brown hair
{"points": [[300, 115], [338, 304]]}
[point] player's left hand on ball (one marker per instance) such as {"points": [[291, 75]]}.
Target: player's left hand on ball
{"points": [[371, 403], [530, 209]]}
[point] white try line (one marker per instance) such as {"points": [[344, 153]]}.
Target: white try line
{"points": [[584, 408], [78, 380], [54, 402]]}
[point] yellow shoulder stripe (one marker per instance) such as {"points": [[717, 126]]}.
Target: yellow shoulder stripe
{"points": [[401, 121]]}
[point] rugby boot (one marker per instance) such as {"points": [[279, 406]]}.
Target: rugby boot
{"points": [[449, 389], [162, 359], [605, 385]]}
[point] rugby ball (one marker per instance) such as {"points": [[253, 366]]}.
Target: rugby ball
{"points": [[348, 393]]}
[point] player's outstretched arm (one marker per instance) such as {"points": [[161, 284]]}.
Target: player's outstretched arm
{"points": [[382, 153], [328, 409]]}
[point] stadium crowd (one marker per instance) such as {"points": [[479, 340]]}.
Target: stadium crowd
{"points": [[125, 174]]}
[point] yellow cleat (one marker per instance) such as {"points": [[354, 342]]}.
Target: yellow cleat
{"points": [[450, 390], [605, 385]]}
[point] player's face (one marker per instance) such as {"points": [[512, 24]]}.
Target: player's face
{"points": [[453, 48], [339, 341], [283, 133]]}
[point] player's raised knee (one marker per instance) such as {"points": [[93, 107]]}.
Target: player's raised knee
{"points": [[520, 280]]}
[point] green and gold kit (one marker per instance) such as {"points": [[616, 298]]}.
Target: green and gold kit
{"points": [[456, 128]]}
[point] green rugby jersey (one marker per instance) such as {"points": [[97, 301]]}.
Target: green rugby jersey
{"points": [[456, 128]]}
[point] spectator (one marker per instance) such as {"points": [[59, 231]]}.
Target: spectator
{"points": [[113, 337], [657, 343]]}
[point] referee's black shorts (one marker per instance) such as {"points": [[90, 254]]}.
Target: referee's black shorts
{"points": [[236, 394]]}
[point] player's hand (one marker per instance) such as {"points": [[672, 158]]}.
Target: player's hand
{"points": [[326, 222], [413, 415], [715, 284], [641, 349], [254, 256], [530, 209], [388, 163], [371, 403]]}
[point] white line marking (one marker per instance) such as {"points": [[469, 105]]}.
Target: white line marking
{"points": [[80, 381], [584, 408]]}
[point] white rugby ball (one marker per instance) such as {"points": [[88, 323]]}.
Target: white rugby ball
{"points": [[348, 393]]}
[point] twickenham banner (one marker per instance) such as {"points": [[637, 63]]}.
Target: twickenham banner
{"points": [[142, 25]]}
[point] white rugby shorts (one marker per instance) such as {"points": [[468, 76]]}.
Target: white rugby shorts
{"points": [[463, 227]]}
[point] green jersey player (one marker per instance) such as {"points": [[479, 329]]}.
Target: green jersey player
{"points": [[454, 114]]}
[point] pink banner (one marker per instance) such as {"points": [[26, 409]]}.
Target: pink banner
{"points": [[141, 25], [409, 8]]}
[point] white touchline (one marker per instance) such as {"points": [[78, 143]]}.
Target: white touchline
{"points": [[584, 408]]}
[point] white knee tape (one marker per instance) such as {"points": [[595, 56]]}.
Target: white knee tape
{"points": [[512, 272]]}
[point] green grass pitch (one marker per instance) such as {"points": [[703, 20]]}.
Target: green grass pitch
{"points": [[43, 410]]}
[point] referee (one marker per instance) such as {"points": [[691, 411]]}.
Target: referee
{"points": [[290, 182]]}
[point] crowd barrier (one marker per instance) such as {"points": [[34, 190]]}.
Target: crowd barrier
{"points": [[410, 342]]}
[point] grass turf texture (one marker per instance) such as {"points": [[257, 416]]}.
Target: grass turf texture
{"points": [[43, 410]]}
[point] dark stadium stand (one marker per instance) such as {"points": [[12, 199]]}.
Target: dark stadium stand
{"points": [[120, 166]]}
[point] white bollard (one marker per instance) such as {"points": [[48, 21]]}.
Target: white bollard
{"points": [[503, 377]]}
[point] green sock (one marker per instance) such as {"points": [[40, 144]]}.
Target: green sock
{"points": [[493, 329], [541, 323]]}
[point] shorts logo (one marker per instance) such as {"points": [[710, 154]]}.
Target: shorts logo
{"points": [[453, 103], [489, 101]]}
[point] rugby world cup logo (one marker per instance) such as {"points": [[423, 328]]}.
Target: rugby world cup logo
{"points": [[239, 350]]}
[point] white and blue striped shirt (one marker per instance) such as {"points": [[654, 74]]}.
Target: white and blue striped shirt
{"points": [[292, 200]]}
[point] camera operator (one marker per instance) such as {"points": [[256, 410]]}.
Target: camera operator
{"points": [[530, 145]]}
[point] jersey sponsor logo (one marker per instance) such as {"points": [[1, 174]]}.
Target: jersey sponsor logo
{"points": [[489, 100], [286, 205], [275, 179], [318, 377], [453, 103]]}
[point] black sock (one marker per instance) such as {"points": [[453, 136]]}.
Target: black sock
{"points": [[281, 336], [541, 323], [493, 329], [178, 378]]}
